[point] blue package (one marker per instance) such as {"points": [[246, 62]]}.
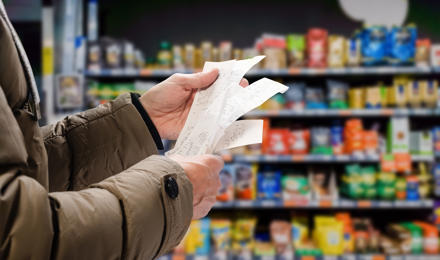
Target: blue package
{"points": [[315, 98], [269, 185], [374, 45], [401, 43], [204, 247]]}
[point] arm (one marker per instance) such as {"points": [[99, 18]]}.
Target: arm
{"points": [[90, 146], [129, 215]]}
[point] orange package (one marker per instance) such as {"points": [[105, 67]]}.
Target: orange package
{"points": [[353, 136], [299, 141], [278, 141], [403, 162], [430, 237], [371, 141]]}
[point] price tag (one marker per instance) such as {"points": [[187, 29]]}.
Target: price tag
{"points": [[268, 203], [396, 257], [245, 203], [364, 204], [348, 257], [330, 257], [325, 203]]}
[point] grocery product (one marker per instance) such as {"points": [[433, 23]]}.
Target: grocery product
{"points": [[421, 142], [356, 98], [436, 173], [414, 93], [245, 178], [402, 45], [300, 231], [281, 236], [295, 96], [263, 247], [374, 45], [178, 57], [269, 185], [337, 140], [226, 191], [416, 237], [296, 49], [412, 188], [336, 51], [328, 235], [353, 51], [316, 48], [422, 52], [243, 235], [435, 55], [429, 91], [278, 141], [322, 184], [164, 56], [430, 237], [221, 231], [225, 50], [94, 56], [353, 137], [348, 239], [337, 94], [398, 135], [295, 188], [197, 240], [315, 98], [386, 185], [373, 97], [112, 53], [401, 236], [424, 180], [206, 49], [299, 141], [189, 54], [398, 95], [320, 140]]}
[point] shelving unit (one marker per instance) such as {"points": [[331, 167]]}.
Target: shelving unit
{"points": [[328, 257]]}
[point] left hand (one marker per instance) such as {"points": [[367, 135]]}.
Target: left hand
{"points": [[168, 103]]}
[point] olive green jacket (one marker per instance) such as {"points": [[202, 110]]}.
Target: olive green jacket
{"points": [[88, 187]]}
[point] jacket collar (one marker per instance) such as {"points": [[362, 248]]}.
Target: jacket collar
{"points": [[35, 102]]}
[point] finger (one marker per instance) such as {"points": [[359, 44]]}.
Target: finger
{"points": [[214, 162], [199, 80], [244, 82]]}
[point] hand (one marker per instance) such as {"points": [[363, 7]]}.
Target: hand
{"points": [[203, 172], [168, 103]]}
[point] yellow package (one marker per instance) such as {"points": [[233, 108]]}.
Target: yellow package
{"points": [[429, 92], [336, 51], [300, 231], [243, 235], [221, 234], [373, 97], [329, 235], [414, 93], [197, 239], [384, 92], [356, 98], [399, 92]]}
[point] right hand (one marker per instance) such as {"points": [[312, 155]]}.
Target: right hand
{"points": [[203, 172]]}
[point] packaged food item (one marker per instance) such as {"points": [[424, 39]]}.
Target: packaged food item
{"points": [[402, 45], [128, 55], [197, 241], [374, 45], [317, 48], [353, 51], [422, 52], [371, 142], [336, 132], [106, 92], [354, 137], [221, 237], [360, 235], [373, 97], [315, 98], [245, 178], [320, 140], [424, 181], [399, 92], [356, 98], [435, 55], [281, 236], [139, 59], [198, 59], [386, 185], [398, 135], [299, 141], [190, 59], [348, 238], [206, 48], [416, 237], [226, 191], [352, 185], [328, 235], [300, 231], [414, 94], [225, 50], [237, 54], [278, 141], [323, 184], [112, 53], [430, 237], [401, 188], [277, 102], [436, 138], [295, 96], [421, 142], [216, 54], [178, 57], [336, 51], [263, 248], [368, 175], [295, 188], [296, 50], [337, 94], [403, 162], [94, 56], [269, 185], [273, 47], [402, 237], [243, 235], [412, 188], [429, 92], [164, 56]]}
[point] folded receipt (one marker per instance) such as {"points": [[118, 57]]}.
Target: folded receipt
{"points": [[212, 123]]}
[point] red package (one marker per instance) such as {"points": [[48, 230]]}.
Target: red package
{"points": [[278, 141], [317, 48], [299, 141]]}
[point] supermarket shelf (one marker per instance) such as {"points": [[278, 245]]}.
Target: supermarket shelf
{"points": [[319, 158], [269, 72], [287, 113], [342, 257], [316, 204]]}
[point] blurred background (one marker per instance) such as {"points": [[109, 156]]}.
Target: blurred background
{"points": [[348, 165]]}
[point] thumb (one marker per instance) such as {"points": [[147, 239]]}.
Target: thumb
{"points": [[200, 80]]}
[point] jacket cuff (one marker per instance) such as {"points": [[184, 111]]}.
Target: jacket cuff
{"points": [[147, 120], [154, 220]]}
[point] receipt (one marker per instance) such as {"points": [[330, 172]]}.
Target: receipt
{"points": [[211, 125]]}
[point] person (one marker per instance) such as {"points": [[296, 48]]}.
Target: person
{"points": [[92, 186]]}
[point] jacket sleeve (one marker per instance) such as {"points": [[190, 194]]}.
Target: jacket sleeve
{"points": [[129, 215], [90, 146]]}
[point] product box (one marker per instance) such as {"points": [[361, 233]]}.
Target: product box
{"points": [[245, 181], [435, 55], [269, 185], [421, 142], [398, 135], [226, 192]]}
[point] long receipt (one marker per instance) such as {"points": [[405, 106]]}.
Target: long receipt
{"points": [[212, 123]]}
